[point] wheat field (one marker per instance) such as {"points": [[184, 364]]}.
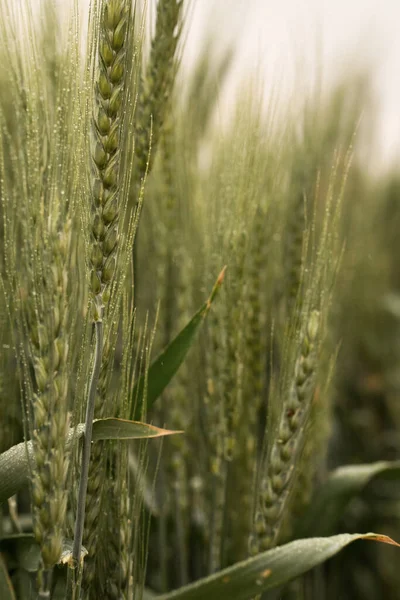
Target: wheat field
{"points": [[228, 287]]}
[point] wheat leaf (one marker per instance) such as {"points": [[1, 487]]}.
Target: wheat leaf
{"points": [[270, 569]]}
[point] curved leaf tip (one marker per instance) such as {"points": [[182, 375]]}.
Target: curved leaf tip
{"points": [[215, 289], [122, 429]]}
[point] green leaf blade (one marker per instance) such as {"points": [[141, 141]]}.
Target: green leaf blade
{"points": [[151, 385], [270, 569], [14, 470], [121, 429]]}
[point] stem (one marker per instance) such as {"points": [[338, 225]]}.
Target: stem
{"points": [[45, 576], [87, 444]]}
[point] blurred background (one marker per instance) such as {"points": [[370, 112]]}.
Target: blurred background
{"points": [[294, 43]]}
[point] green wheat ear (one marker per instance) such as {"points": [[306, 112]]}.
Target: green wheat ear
{"points": [[37, 207], [111, 43], [49, 349], [108, 205], [277, 483], [106, 149]]}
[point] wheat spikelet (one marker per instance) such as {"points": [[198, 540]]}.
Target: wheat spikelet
{"points": [[156, 85], [285, 449], [176, 299], [106, 147], [214, 406], [38, 198], [244, 469], [224, 403], [48, 327], [108, 571], [294, 249], [112, 74]]}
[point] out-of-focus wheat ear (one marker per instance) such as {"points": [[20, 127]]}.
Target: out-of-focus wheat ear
{"points": [[119, 551], [214, 407], [285, 452], [253, 360], [107, 524], [110, 565], [125, 536], [294, 248], [226, 385], [156, 85], [206, 80], [175, 302], [49, 46]]}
